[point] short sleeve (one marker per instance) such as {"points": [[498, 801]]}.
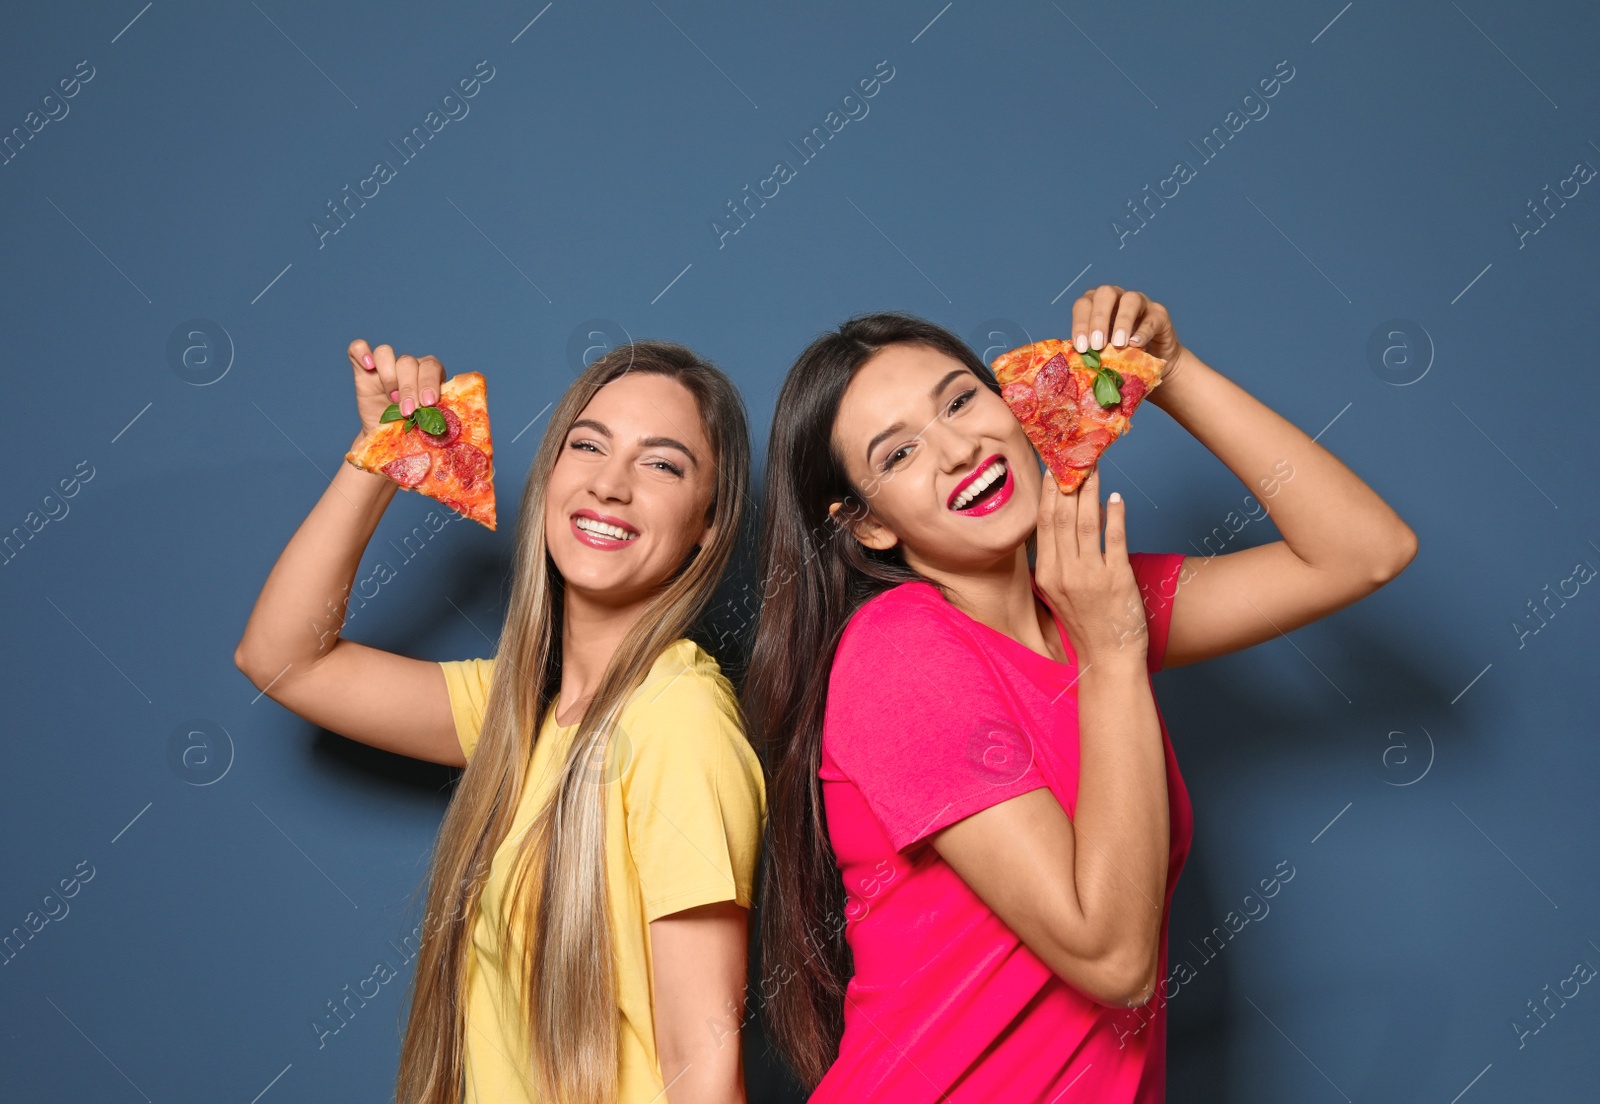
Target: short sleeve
{"points": [[693, 792], [1157, 576], [918, 720], [467, 682]]}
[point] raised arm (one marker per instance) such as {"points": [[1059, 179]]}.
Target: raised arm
{"points": [[292, 649], [1341, 541]]}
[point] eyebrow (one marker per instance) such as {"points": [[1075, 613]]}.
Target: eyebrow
{"points": [[644, 442], [933, 393]]}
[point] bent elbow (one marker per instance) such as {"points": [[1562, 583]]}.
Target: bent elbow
{"points": [[251, 667], [1134, 984], [1123, 979], [1404, 552]]}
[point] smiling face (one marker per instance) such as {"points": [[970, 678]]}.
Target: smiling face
{"points": [[940, 460], [631, 489]]}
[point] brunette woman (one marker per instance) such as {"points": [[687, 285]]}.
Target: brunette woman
{"points": [[586, 915], [977, 818]]}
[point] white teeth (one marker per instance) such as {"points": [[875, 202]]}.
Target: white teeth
{"points": [[600, 528], [982, 483]]}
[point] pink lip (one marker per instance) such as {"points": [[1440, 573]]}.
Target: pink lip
{"points": [[595, 540], [996, 500]]}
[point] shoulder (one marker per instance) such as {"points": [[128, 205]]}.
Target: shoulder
{"points": [[910, 610], [684, 710], [1157, 574], [684, 677], [466, 682]]}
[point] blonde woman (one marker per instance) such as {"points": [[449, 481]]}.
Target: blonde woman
{"points": [[586, 923]]}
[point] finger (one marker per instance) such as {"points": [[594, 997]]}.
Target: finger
{"points": [[1116, 531], [1088, 527], [1105, 298], [383, 357], [1080, 320], [406, 381], [361, 356], [430, 377], [1065, 523], [1129, 307], [1150, 324], [1044, 527]]}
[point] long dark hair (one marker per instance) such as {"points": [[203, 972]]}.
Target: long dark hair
{"points": [[814, 576]]}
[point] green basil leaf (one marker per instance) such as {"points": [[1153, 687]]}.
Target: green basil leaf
{"points": [[1105, 392], [431, 420], [392, 413], [1090, 359], [410, 422]]}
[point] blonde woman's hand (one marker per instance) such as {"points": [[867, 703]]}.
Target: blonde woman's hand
{"points": [[1092, 591], [382, 378]]}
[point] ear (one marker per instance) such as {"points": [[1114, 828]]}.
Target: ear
{"points": [[866, 529]]}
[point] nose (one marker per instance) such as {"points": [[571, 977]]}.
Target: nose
{"points": [[954, 447], [611, 481]]}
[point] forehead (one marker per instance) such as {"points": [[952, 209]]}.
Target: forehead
{"points": [[891, 387], [648, 404]]}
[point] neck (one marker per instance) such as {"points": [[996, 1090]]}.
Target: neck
{"points": [[999, 595], [591, 633]]}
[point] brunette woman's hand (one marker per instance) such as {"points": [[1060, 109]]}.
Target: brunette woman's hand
{"points": [[1110, 315], [1093, 592], [383, 378]]}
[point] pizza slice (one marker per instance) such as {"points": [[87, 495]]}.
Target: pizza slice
{"points": [[1072, 405], [454, 463]]}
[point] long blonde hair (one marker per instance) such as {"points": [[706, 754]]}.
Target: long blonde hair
{"points": [[570, 995]]}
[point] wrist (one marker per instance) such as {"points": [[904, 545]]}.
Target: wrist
{"points": [[1177, 377], [1112, 664]]}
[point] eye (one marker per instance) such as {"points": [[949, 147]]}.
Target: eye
{"points": [[962, 399], [584, 445], [895, 457], [665, 465]]}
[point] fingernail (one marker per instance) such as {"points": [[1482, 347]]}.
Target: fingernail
{"points": [[1120, 337], [1097, 339], [1115, 497], [1138, 339], [366, 358], [1083, 343], [407, 405], [394, 396], [428, 397]]}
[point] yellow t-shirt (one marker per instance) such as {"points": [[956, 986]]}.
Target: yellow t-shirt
{"points": [[683, 828]]}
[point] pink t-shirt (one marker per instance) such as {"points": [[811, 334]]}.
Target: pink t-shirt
{"points": [[932, 716]]}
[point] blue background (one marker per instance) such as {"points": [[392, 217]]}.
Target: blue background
{"points": [[1425, 768]]}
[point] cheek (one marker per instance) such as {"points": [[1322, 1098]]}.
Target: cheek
{"points": [[902, 499]]}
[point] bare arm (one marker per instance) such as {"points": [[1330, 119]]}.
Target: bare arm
{"points": [[1086, 894], [291, 647], [1341, 541], [698, 962]]}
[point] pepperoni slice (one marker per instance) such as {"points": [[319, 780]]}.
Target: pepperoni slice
{"points": [[468, 462], [1021, 399], [408, 471], [1061, 422], [1133, 390], [1083, 452], [452, 430], [1054, 381]]}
